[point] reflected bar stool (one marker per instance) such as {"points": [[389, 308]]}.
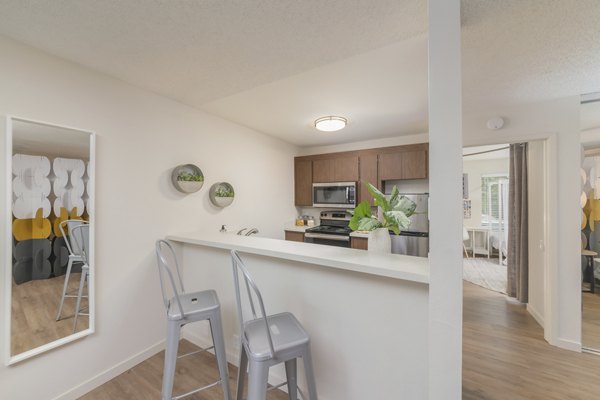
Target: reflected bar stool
{"points": [[268, 341], [184, 308], [74, 256], [81, 236]]}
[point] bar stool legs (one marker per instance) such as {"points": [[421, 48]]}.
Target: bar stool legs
{"points": [[216, 330], [291, 375], [172, 345], [310, 375]]}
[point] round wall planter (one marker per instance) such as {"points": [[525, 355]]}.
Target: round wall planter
{"points": [[221, 194], [187, 178]]}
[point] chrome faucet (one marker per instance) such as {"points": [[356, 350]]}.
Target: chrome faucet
{"points": [[240, 231], [251, 232]]}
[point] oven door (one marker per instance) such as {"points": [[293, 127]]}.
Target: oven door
{"points": [[334, 195], [330, 240]]}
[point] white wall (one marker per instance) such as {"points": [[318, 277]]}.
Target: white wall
{"points": [[476, 169], [557, 121], [366, 144], [141, 137], [536, 188]]}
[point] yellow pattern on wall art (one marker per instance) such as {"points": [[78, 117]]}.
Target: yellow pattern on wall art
{"points": [[32, 228], [64, 215]]}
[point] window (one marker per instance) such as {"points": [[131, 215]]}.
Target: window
{"points": [[494, 199]]}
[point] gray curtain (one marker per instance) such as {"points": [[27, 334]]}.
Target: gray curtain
{"points": [[517, 257]]}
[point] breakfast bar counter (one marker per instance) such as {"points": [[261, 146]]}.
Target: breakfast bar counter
{"points": [[415, 269], [367, 314]]}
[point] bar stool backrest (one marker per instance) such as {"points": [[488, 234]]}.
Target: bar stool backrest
{"points": [[251, 291], [80, 236], [71, 243], [167, 267]]}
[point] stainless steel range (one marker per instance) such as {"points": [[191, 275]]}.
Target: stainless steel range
{"points": [[333, 230]]}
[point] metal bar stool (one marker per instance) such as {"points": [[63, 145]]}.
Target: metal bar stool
{"points": [[184, 308], [268, 341], [81, 236], [74, 256]]}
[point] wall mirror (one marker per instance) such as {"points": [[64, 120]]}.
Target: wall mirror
{"points": [[50, 231]]}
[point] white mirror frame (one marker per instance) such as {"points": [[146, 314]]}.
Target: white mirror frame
{"points": [[7, 246]]}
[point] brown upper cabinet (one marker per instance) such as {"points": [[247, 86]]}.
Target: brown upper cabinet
{"points": [[303, 170], [410, 164], [371, 165], [337, 169], [368, 173]]}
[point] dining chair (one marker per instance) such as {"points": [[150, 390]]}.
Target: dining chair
{"points": [[75, 256]]}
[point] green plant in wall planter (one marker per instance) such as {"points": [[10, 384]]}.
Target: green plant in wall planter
{"points": [[222, 194], [395, 214], [187, 178]]}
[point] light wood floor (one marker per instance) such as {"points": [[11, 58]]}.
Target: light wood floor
{"points": [[34, 308], [590, 323], [505, 355], [143, 382]]}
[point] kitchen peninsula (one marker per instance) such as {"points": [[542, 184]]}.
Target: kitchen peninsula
{"points": [[355, 305]]}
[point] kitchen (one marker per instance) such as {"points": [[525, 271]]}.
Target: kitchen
{"points": [[328, 186]]}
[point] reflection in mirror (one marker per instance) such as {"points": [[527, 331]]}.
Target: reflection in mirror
{"points": [[51, 280], [590, 224]]}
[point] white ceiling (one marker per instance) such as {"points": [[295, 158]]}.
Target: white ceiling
{"points": [[275, 66], [590, 116]]}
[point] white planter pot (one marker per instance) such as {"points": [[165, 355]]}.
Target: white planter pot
{"points": [[190, 186], [380, 241], [223, 201]]}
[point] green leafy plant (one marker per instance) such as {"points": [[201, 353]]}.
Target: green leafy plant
{"points": [[395, 212], [188, 177], [224, 192]]}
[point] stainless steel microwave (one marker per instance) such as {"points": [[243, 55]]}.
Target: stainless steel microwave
{"points": [[334, 194]]}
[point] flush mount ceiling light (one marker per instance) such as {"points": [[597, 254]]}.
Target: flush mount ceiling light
{"points": [[330, 123]]}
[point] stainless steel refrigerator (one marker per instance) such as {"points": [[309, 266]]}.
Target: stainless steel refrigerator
{"points": [[414, 241]]}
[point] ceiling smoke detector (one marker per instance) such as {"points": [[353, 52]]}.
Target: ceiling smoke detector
{"points": [[330, 123]]}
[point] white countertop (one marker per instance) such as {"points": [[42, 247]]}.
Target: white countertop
{"points": [[409, 268], [292, 227]]}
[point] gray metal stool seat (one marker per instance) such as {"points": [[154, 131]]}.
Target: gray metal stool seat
{"points": [[268, 340], [184, 308]]}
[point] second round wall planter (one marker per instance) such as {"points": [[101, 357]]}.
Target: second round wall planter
{"points": [[221, 194]]}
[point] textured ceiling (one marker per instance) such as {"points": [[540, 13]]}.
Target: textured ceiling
{"points": [[275, 65], [194, 51], [518, 51]]}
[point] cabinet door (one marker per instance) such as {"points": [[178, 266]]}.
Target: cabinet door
{"points": [[359, 243], [414, 164], [410, 164], [390, 166], [294, 236], [345, 169], [303, 170], [368, 173], [324, 170]]}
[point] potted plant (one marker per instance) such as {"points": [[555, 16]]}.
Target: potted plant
{"points": [[395, 213], [189, 182], [223, 194]]}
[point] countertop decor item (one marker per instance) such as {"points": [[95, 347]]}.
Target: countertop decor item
{"points": [[221, 194], [394, 217], [187, 178]]}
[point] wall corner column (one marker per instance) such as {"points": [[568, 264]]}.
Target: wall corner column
{"points": [[445, 207]]}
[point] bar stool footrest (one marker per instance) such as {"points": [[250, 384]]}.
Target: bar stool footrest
{"points": [[195, 352], [181, 396]]}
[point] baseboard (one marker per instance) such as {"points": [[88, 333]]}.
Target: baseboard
{"points": [[110, 373], [536, 315], [568, 344]]}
